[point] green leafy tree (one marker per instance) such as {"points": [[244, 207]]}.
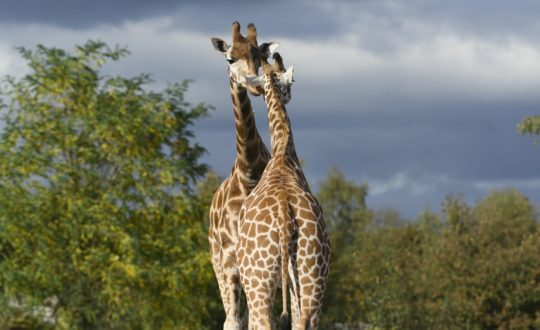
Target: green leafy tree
{"points": [[344, 206], [379, 277], [472, 267], [530, 126], [205, 190], [99, 225], [345, 214], [489, 264], [387, 218]]}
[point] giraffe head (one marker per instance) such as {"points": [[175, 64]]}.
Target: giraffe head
{"points": [[244, 55], [283, 78]]}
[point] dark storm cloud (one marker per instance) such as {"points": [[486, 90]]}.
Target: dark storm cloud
{"points": [[418, 99], [479, 146], [296, 18], [279, 17], [81, 13], [500, 19]]}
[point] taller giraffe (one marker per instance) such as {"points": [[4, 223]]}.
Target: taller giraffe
{"points": [[243, 56], [282, 232]]}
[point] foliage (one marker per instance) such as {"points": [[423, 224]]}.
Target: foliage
{"points": [[470, 268], [344, 205], [98, 221], [530, 126], [493, 264], [205, 190]]}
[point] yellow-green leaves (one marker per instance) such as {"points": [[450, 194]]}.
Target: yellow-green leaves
{"points": [[530, 126], [96, 204]]}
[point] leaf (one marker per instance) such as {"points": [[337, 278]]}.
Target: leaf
{"points": [[85, 217]]}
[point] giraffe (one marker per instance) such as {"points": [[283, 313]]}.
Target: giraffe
{"points": [[243, 57], [281, 228]]}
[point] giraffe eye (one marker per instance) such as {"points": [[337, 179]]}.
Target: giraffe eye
{"points": [[231, 60]]}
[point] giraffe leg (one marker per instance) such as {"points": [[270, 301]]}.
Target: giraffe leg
{"points": [[260, 291], [312, 287], [224, 289], [231, 279], [221, 282], [311, 296], [261, 321], [294, 287], [295, 309], [260, 311], [310, 319], [313, 258]]}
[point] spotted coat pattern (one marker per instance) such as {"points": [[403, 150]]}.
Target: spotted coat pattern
{"points": [[282, 234]]}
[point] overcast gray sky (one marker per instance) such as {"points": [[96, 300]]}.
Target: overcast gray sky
{"points": [[416, 98]]}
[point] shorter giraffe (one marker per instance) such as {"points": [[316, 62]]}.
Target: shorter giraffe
{"points": [[281, 228]]}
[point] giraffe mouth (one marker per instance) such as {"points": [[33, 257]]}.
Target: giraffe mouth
{"points": [[255, 91], [241, 81]]}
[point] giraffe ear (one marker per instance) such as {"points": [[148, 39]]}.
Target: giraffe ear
{"points": [[288, 76], [255, 81], [268, 48], [220, 45]]}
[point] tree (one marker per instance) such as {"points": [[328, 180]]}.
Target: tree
{"points": [[530, 126], [344, 205], [345, 214], [471, 267], [485, 265], [205, 190], [99, 221]]}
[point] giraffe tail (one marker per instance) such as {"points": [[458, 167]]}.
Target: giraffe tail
{"points": [[285, 321], [284, 243]]}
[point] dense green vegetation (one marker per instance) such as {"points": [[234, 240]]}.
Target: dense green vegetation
{"points": [[472, 267], [103, 221], [98, 220]]}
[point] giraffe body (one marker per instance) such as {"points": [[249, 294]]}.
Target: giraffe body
{"points": [[282, 235], [252, 157]]}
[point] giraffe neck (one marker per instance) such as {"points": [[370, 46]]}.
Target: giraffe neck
{"points": [[279, 124], [252, 154]]}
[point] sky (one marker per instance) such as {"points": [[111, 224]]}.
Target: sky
{"points": [[419, 99]]}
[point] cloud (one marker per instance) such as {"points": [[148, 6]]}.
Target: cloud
{"points": [[410, 98], [82, 14], [11, 63], [501, 184], [440, 69], [430, 67], [399, 181], [388, 24], [169, 54]]}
